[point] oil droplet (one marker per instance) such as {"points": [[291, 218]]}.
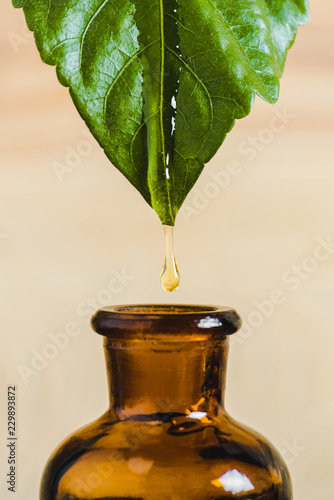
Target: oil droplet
{"points": [[169, 277]]}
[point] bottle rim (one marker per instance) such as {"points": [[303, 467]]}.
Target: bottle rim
{"points": [[139, 321]]}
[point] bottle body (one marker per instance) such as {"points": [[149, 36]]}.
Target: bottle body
{"points": [[166, 434], [169, 457]]}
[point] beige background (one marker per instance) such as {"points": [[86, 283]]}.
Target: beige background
{"points": [[62, 240]]}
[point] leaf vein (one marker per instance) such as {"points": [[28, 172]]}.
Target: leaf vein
{"points": [[48, 12], [237, 41], [96, 13], [119, 74], [202, 84], [62, 42], [179, 23], [134, 137], [184, 117], [224, 98]]}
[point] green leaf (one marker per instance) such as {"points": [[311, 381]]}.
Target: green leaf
{"points": [[161, 82]]}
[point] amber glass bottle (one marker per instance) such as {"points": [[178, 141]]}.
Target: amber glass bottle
{"points": [[166, 434]]}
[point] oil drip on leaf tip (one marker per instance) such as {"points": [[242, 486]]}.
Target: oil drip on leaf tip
{"points": [[170, 277]]}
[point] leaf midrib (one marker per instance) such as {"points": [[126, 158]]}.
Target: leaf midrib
{"points": [[162, 69]]}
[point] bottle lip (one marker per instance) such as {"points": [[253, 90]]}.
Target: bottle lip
{"points": [[143, 321]]}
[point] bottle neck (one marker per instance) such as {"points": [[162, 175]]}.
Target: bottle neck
{"points": [[148, 377]]}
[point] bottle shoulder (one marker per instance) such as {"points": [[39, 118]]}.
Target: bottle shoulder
{"points": [[217, 455]]}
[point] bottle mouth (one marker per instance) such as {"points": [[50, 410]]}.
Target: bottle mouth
{"points": [[143, 321], [164, 309]]}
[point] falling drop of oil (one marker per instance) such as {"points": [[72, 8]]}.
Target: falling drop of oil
{"points": [[169, 277]]}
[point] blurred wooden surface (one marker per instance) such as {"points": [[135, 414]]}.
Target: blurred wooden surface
{"points": [[61, 241]]}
